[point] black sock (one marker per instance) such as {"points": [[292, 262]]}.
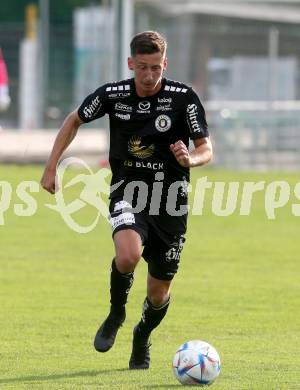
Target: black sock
{"points": [[151, 316], [119, 288]]}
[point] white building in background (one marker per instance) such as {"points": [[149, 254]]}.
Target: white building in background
{"points": [[29, 97], [30, 90], [248, 78], [101, 44], [94, 49]]}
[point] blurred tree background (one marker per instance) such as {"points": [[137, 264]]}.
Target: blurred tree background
{"points": [[60, 10], [61, 58]]}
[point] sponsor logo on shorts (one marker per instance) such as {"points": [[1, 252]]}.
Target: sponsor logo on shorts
{"points": [[122, 219], [163, 123], [122, 204], [184, 188], [173, 254]]}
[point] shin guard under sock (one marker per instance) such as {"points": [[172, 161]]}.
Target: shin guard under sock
{"points": [[152, 316], [120, 285]]}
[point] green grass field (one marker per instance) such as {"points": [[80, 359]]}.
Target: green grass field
{"points": [[238, 288]]}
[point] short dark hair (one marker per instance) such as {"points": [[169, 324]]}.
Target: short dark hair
{"points": [[148, 42]]}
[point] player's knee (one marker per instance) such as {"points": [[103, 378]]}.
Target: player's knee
{"points": [[126, 262], [158, 298]]}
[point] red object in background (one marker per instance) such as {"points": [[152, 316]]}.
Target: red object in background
{"points": [[104, 163], [4, 92], [3, 70]]}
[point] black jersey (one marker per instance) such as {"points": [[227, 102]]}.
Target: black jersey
{"points": [[142, 128]]}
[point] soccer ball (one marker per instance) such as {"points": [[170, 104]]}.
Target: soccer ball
{"points": [[196, 363]]}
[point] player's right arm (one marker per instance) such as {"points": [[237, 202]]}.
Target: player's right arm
{"points": [[64, 137], [94, 106]]}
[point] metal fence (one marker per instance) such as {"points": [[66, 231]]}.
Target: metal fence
{"points": [[256, 139]]}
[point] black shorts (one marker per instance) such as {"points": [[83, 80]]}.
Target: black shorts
{"points": [[162, 236]]}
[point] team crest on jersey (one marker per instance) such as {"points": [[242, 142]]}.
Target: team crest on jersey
{"points": [[137, 149], [163, 123]]}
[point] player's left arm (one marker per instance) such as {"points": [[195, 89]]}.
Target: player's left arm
{"points": [[196, 124], [201, 155]]}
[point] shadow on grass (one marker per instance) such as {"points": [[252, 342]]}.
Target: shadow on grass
{"points": [[33, 378]]}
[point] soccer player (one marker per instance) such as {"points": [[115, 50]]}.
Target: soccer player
{"points": [[152, 120]]}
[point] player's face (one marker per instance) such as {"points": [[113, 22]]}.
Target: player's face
{"points": [[148, 70]]}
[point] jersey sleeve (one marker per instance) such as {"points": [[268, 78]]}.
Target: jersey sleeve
{"points": [[93, 106], [195, 116]]}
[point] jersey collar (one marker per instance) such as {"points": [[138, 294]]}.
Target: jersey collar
{"points": [[163, 82]]}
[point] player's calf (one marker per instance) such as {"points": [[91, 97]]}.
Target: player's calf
{"points": [[151, 318], [120, 284]]}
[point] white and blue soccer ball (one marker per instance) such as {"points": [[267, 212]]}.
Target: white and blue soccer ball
{"points": [[196, 363]]}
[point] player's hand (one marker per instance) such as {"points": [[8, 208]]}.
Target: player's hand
{"points": [[181, 153], [49, 182]]}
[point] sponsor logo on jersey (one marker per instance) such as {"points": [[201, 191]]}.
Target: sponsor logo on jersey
{"points": [[92, 109], [164, 108], [118, 95], [192, 117], [125, 117], [156, 166], [164, 100], [144, 107], [123, 107], [137, 149], [163, 123]]}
